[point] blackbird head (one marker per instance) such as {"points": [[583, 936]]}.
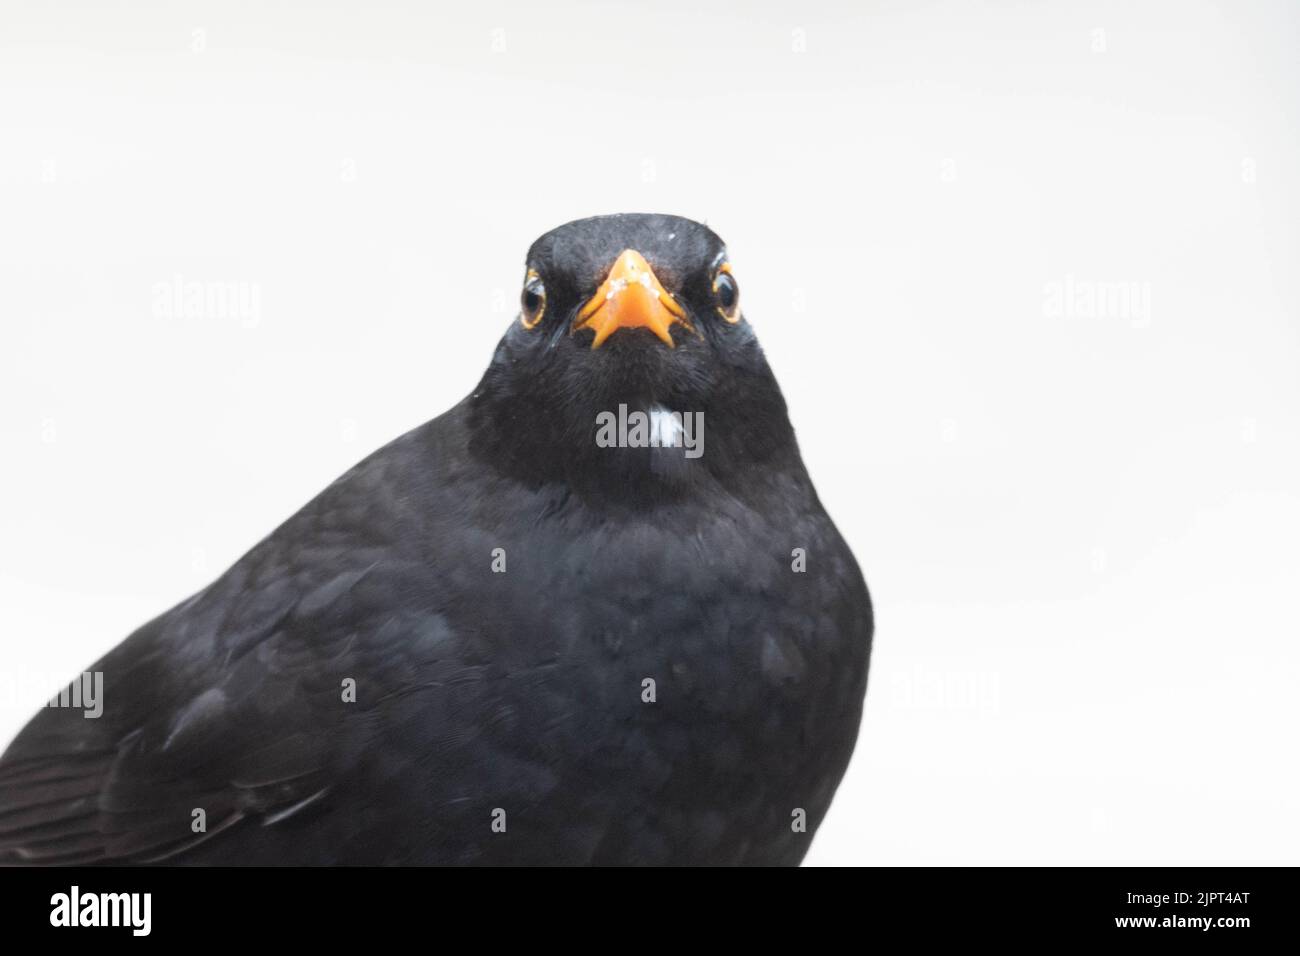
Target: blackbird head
{"points": [[621, 314]]}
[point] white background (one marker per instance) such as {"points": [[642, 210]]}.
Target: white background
{"points": [[1079, 523]]}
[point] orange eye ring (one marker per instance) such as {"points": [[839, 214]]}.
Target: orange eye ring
{"points": [[532, 300]]}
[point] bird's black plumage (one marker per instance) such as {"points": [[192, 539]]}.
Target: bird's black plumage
{"points": [[480, 690]]}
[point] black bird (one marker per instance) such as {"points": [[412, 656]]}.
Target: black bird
{"points": [[498, 639]]}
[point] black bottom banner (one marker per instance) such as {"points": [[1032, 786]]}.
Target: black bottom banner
{"points": [[336, 906]]}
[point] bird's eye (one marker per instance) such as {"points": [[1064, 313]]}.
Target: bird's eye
{"points": [[726, 294], [532, 301]]}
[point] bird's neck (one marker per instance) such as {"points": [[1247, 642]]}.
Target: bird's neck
{"points": [[634, 449]]}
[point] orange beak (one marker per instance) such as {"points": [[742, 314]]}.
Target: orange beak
{"points": [[630, 297]]}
